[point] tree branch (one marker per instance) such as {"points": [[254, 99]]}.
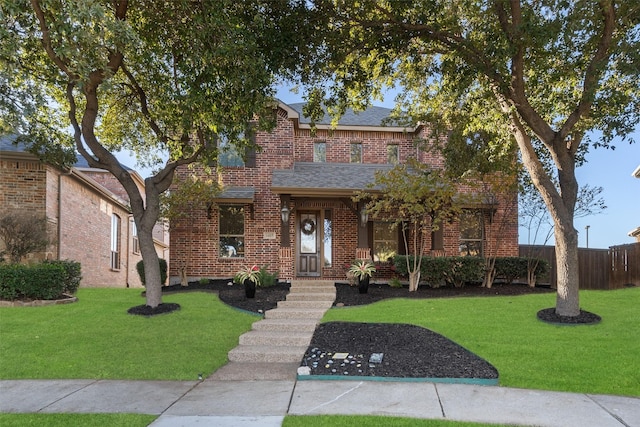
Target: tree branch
{"points": [[594, 71], [46, 41]]}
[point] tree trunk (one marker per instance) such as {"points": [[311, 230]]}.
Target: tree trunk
{"points": [[567, 298], [531, 272], [151, 269], [490, 272], [414, 280]]}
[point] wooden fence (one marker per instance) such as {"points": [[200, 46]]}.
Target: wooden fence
{"points": [[611, 268]]}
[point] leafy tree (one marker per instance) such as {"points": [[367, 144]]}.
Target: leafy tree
{"points": [[544, 73], [181, 202], [148, 76], [417, 199], [22, 233]]}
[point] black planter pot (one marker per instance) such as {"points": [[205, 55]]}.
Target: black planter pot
{"points": [[363, 284], [249, 288]]}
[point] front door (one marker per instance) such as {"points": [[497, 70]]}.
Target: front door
{"points": [[308, 239]]}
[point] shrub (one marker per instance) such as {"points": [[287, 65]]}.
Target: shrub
{"points": [[163, 271], [464, 269], [39, 281], [395, 283], [72, 276], [511, 268], [267, 279], [23, 233], [436, 271]]}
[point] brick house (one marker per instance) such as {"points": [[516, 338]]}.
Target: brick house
{"points": [[87, 212], [289, 206]]}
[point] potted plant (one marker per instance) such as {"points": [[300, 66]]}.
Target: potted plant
{"points": [[362, 270], [250, 278]]}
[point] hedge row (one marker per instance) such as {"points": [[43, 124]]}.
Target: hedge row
{"points": [[456, 271], [46, 281], [511, 268], [441, 271]]}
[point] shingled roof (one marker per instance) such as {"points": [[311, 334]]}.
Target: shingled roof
{"points": [[328, 179], [372, 116]]}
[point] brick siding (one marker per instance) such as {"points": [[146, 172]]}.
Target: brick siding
{"points": [[194, 240]]}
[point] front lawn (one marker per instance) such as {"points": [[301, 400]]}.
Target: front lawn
{"points": [[95, 338], [84, 420], [528, 353]]}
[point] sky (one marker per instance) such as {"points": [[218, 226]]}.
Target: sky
{"points": [[606, 168]]}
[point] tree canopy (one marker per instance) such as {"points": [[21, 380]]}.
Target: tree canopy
{"points": [[555, 77], [147, 76]]}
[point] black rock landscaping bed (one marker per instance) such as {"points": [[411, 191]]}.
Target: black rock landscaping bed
{"points": [[348, 350]]}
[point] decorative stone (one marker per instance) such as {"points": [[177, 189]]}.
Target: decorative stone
{"points": [[304, 370]]}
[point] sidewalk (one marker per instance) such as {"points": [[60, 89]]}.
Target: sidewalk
{"points": [[265, 403]]}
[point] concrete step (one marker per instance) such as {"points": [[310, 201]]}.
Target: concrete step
{"points": [[315, 283], [276, 338], [305, 304], [311, 296], [267, 354], [312, 289], [247, 371], [291, 325], [295, 313]]}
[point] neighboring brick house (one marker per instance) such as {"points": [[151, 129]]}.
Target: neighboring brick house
{"points": [[87, 211], [289, 206]]}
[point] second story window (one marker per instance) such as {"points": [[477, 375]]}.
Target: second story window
{"points": [[229, 155], [319, 151], [356, 153], [392, 154]]}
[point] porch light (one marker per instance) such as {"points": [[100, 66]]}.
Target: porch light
{"points": [[284, 214], [364, 216]]}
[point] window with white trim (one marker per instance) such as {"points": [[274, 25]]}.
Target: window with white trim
{"points": [[115, 241], [135, 244]]}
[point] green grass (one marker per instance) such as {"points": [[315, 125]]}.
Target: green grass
{"points": [[95, 338], [85, 420], [528, 353], [371, 421]]}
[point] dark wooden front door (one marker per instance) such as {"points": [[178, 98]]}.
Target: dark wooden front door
{"points": [[309, 236]]}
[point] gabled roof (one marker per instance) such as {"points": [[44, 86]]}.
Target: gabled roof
{"points": [[78, 170], [371, 119], [325, 179]]}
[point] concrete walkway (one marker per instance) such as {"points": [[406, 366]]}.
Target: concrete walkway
{"points": [[265, 403]]}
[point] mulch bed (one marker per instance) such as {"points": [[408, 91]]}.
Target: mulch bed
{"points": [[348, 295], [408, 351]]}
